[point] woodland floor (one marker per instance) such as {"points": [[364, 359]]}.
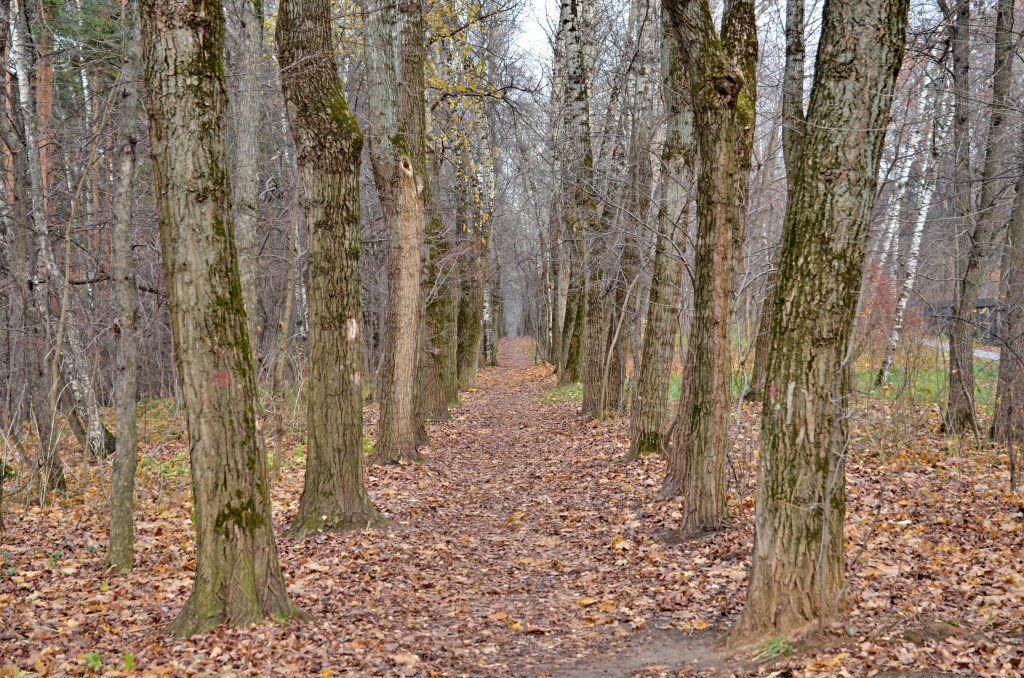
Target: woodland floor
{"points": [[524, 547]]}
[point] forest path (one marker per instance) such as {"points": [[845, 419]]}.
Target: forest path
{"points": [[522, 547], [527, 516]]}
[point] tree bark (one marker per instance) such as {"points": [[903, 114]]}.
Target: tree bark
{"points": [[393, 37], [960, 415], [245, 31], [328, 144], [1008, 426], [792, 134], [238, 578], [649, 412], [121, 549], [721, 74], [797, 567]]}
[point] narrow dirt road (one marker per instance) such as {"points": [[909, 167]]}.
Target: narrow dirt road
{"points": [[522, 547]]}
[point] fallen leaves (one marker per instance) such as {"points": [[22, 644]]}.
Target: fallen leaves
{"points": [[523, 546]]}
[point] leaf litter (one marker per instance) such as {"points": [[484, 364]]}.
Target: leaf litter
{"points": [[523, 546]]}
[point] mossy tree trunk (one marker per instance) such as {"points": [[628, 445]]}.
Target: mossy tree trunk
{"points": [[720, 70], [649, 411], [439, 383], [797, 568], [328, 143], [238, 578], [584, 337], [121, 548]]}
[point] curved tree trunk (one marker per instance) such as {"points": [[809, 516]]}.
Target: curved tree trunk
{"points": [[238, 578], [328, 144], [721, 74], [797, 567]]}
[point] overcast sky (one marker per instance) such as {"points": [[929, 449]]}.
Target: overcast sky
{"points": [[537, 16]]}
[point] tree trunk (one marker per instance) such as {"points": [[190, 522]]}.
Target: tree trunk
{"points": [[649, 410], [238, 578], [244, 54], [792, 134], [328, 144], [1008, 427], [121, 549], [284, 327], [393, 37], [960, 415], [797, 567], [721, 74], [926, 189]]}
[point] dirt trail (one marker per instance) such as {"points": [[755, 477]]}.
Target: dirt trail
{"points": [[521, 547]]}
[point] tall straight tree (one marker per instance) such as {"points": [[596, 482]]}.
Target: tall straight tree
{"points": [[393, 42], [796, 574], [650, 399], [583, 234], [328, 144], [120, 553], [981, 229], [238, 578], [720, 68], [1008, 426], [245, 48]]}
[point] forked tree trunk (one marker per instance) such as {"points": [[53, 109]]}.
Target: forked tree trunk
{"points": [[121, 549], [798, 562], [238, 578], [649, 410], [328, 144], [721, 75]]}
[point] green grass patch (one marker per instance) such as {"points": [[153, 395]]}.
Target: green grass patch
{"points": [[922, 384], [929, 383], [563, 394]]}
